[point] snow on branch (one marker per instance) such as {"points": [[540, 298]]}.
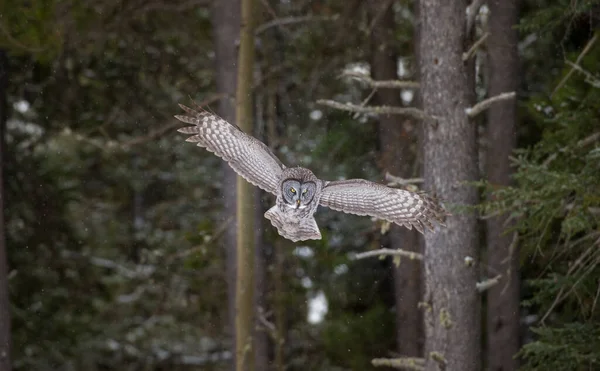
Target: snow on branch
{"points": [[407, 363], [486, 103], [393, 84], [391, 252], [377, 110]]}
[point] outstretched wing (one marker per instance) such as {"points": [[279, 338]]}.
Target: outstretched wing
{"points": [[362, 197], [250, 158]]}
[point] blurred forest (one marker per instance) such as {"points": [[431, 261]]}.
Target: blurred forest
{"points": [[118, 239]]}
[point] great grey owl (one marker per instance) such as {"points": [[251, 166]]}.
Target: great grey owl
{"points": [[299, 192]]}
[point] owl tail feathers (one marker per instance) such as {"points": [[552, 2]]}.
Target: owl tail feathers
{"points": [[300, 229]]}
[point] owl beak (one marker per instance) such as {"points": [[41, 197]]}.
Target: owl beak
{"points": [[297, 203]]}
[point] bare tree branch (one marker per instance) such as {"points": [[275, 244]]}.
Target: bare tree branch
{"points": [[585, 50], [593, 80], [268, 325], [472, 11], [377, 110], [18, 44], [292, 20], [468, 54], [159, 132], [393, 84], [486, 103], [398, 181], [407, 363], [487, 284], [392, 252], [173, 6]]}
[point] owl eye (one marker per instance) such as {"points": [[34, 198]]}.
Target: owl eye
{"points": [[304, 191], [293, 190]]}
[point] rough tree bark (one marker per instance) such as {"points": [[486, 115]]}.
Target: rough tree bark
{"points": [[503, 299], [280, 246], [5, 340], [261, 337], [244, 320], [226, 30], [397, 138], [452, 305]]}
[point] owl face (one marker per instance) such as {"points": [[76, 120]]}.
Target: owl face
{"points": [[298, 194]]}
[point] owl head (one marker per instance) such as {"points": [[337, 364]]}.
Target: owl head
{"points": [[299, 187]]}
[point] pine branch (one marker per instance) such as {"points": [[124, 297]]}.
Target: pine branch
{"points": [[487, 103], [377, 110], [391, 252], [582, 143]]}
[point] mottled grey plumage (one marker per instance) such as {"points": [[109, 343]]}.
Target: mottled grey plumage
{"points": [[299, 192]]}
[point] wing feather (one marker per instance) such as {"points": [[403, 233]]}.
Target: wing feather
{"points": [[249, 157], [362, 197]]}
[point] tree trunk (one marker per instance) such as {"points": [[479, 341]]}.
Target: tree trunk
{"points": [[261, 337], [397, 138], [279, 245], [503, 299], [226, 30], [244, 321], [452, 305], [5, 343]]}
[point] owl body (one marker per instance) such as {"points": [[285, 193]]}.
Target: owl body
{"points": [[298, 191], [295, 205]]}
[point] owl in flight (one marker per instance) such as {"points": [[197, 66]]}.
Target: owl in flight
{"points": [[298, 191]]}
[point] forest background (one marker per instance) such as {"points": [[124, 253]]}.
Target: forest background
{"points": [[119, 243]]}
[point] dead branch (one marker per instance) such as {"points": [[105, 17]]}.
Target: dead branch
{"points": [[383, 84], [269, 326], [17, 43], [511, 252], [292, 20], [215, 236], [377, 110], [364, 102], [585, 50], [468, 54], [170, 7], [472, 11], [593, 80], [486, 103], [407, 363], [398, 181], [487, 284], [392, 252], [159, 132]]}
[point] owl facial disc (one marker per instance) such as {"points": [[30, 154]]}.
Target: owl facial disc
{"points": [[297, 194]]}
